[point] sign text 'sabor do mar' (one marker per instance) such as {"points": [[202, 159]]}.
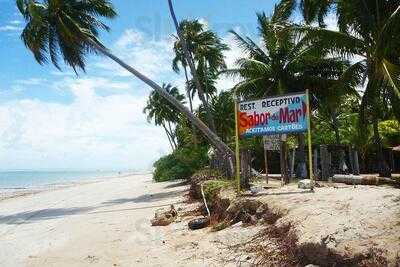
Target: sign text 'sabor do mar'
{"points": [[274, 115]]}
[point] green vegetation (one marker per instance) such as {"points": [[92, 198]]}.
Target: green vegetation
{"points": [[213, 187], [353, 74], [180, 164], [164, 113]]}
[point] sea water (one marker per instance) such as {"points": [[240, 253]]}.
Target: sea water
{"points": [[21, 179]]}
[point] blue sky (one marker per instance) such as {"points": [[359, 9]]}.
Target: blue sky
{"points": [[52, 119]]}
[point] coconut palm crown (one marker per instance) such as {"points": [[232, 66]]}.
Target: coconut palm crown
{"points": [[63, 29]]}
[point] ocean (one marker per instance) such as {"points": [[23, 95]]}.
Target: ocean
{"points": [[23, 179]]}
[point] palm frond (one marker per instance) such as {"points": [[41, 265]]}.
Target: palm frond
{"points": [[392, 74], [333, 41], [283, 10], [64, 29], [248, 46]]}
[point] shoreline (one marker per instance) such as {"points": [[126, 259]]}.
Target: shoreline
{"points": [[16, 192], [105, 223]]}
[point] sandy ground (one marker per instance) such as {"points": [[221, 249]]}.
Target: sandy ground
{"points": [[106, 223], [349, 219]]}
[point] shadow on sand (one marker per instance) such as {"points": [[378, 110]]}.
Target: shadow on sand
{"points": [[44, 214], [146, 198], [54, 213]]}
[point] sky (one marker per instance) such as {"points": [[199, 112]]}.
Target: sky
{"points": [[57, 120]]}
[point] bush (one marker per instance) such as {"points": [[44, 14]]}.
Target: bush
{"points": [[199, 177], [180, 164], [212, 188]]}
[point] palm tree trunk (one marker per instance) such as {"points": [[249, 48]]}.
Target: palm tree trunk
{"points": [[190, 104], [211, 136], [188, 90], [205, 82], [384, 170], [171, 134], [169, 138], [192, 67], [335, 124]]}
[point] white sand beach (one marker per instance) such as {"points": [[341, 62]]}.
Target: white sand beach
{"points": [[107, 223], [104, 223]]}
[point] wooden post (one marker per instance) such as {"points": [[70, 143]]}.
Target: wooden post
{"points": [[292, 163], [351, 159], [237, 144], [356, 170], [315, 162], [391, 159], [310, 170], [330, 170], [283, 162], [324, 162], [266, 163]]}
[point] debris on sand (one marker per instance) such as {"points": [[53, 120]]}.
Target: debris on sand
{"points": [[247, 211], [198, 223], [164, 217], [305, 184]]}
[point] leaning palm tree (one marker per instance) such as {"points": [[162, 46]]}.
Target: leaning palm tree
{"points": [[163, 112], [69, 30], [285, 63], [368, 30]]}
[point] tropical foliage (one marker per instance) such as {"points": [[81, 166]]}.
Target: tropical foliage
{"points": [[367, 32], [180, 164], [164, 113], [353, 73], [205, 49]]}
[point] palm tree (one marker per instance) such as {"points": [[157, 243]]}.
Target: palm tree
{"points": [[286, 63], [202, 50], [186, 27], [163, 112], [368, 30], [69, 30], [208, 81], [222, 106]]}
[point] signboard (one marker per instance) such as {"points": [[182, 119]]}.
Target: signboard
{"points": [[272, 142], [274, 115]]}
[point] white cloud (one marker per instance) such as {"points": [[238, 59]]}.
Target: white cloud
{"points": [[10, 28], [31, 81], [91, 132], [152, 58], [15, 22], [129, 38]]}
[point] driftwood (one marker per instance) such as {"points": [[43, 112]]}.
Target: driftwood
{"points": [[363, 180], [164, 217]]}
